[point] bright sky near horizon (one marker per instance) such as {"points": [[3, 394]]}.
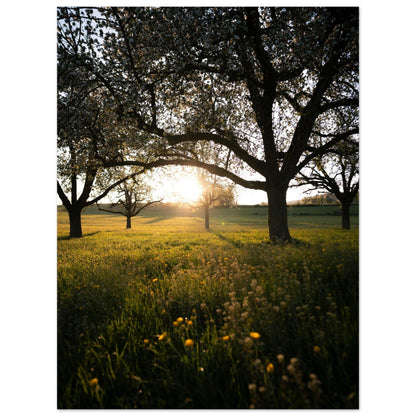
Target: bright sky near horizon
{"points": [[183, 186]]}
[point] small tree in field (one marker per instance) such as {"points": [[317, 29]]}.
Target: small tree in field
{"points": [[213, 193], [131, 196], [337, 172]]}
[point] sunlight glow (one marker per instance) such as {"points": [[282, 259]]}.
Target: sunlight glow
{"points": [[185, 188]]}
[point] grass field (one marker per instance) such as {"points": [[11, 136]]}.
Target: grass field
{"points": [[168, 315]]}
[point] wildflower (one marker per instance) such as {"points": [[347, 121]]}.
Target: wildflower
{"points": [[248, 341], [254, 335], [226, 338], [280, 358], [162, 336], [316, 349], [94, 382], [178, 321], [314, 383], [189, 343], [154, 280], [294, 361], [189, 323], [262, 389], [270, 368], [252, 387], [146, 341], [257, 362]]}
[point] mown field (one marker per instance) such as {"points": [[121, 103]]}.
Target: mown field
{"points": [[168, 315]]}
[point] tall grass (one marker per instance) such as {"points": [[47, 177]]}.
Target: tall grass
{"points": [[217, 319]]}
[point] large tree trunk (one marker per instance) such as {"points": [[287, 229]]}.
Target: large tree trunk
{"points": [[277, 215], [75, 230], [345, 216], [206, 214], [128, 223]]}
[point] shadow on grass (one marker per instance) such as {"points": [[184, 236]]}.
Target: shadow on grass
{"points": [[67, 237], [233, 242], [152, 221], [239, 244]]}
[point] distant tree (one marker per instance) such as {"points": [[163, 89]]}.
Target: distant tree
{"points": [[337, 173], [227, 197], [213, 192], [131, 197], [319, 199]]}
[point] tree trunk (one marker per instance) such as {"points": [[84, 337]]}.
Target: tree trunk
{"points": [[128, 224], [346, 216], [206, 213], [75, 230], [277, 215]]}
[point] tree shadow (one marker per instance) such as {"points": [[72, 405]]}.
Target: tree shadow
{"points": [[67, 237], [233, 242], [157, 219]]}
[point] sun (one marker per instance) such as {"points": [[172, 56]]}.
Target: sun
{"points": [[186, 188]]}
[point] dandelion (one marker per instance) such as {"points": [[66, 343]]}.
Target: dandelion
{"points": [[146, 341], [270, 368], [178, 321], [226, 338], [254, 335], [189, 323], [162, 336], [154, 280], [94, 382], [189, 343], [316, 349]]}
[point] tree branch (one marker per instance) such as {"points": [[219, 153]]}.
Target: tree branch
{"points": [[232, 144], [214, 169]]}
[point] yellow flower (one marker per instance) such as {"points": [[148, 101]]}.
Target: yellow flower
{"points": [[316, 349], [270, 368], [254, 335], [189, 343], [94, 382], [162, 336], [146, 341], [178, 321], [154, 280], [225, 337], [189, 323]]}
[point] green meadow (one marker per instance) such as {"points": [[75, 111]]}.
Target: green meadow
{"points": [[169, 315]]}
